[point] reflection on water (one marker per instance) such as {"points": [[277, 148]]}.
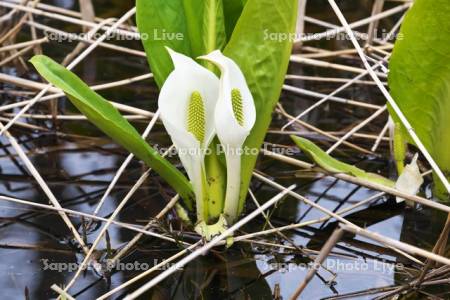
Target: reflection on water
{"points": [[78, 176], [68, 4]]}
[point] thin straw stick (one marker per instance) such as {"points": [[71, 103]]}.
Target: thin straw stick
{"points": [[391, 101], [23, 44], [229, 232], [71, 66], [356, 128], [30, 167], [356, 24], [124, 166], [326, 98], [76, 21]]}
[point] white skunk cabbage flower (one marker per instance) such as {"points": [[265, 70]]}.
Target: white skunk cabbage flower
{"points": [[409, 181], [235, 116], [186, 102]]}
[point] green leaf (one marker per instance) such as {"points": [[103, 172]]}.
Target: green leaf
{"points": [[264, 63], [232, 10], [333, 165], [106, 117], [213, 26], [205, 22], [193, 12], [199, 22], [155, 18], [419, 77]]}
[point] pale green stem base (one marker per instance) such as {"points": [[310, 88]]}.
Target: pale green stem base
{"points": [[399, 148], [201, 191], [231, 206], [216, 179], [211, 231]]}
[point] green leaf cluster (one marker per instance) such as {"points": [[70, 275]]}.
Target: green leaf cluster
{"points": [[197, 27], [419, 79]]}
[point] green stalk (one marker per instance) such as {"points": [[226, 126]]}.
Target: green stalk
{"points": [[201, 192], [216, 179], [211, 16], [399, 148], [215, 172], [231, 208]]}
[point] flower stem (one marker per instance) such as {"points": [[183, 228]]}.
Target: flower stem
{"points": [[399, 147], [231, 206], [201, 191], [216, 179]]}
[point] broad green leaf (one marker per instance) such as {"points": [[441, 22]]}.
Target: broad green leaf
{"points": [[200, 23], [159, 22], [232, 10], [419, 77], [193, 12], [333, 165], [264, 63], [106, 117], [205, 23]]}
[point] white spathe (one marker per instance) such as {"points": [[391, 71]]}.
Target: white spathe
{"points": [[189, 77], [233, 124], [410, 180]]}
